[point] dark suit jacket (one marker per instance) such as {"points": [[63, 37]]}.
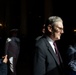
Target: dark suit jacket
{"points": [[45, 61]]}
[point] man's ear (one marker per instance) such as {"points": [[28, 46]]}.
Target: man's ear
{"points": [[49, 28]]}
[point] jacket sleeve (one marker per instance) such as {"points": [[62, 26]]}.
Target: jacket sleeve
{"points": [[3, 69], [39, 62], [7, 45]]}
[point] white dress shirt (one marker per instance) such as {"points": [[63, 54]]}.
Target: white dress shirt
{"points": [[51, 42]]}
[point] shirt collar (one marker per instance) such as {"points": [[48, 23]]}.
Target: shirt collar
{"points": [[49, 39]]}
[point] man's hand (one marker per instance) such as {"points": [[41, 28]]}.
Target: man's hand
{"points": [[5, 59]]}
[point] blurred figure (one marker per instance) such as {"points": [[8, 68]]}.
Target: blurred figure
{"points": [[43, 29], [12, 49], [3, 65], [71, 55], [42, 32], [47, 59]]}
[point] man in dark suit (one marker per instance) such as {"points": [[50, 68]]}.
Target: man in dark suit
{"points": [[46, 60]]}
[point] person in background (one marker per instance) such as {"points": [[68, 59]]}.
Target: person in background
{"points": [[71, 55], [12, 49], [42, 32], [47, 60], [3, 65]]}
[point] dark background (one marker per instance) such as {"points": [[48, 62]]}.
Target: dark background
{"points": [[28, 16]]}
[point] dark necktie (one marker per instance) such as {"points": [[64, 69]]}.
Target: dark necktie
{"points": [[56, 50]]}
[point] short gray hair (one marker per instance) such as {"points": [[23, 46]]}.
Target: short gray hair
{"points": [[51, 20]]}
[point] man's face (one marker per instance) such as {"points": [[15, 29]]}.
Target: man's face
{"points": [[57, 30]]}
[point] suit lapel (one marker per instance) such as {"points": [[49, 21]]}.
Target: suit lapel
{"points": [[51, 51], [60, 58]]}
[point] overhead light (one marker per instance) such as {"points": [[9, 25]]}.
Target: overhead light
{"points": [[74, 30], [0, 24]]}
